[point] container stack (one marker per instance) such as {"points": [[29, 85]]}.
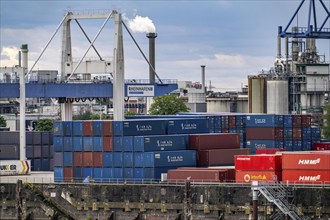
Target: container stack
{"points": [[216, 149], [39, 148], [123, 150], [264, 131], [82, 149], [261, 167], [311, 167]]}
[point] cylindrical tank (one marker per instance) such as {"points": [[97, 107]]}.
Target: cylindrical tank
{"points": [[257, 94], [277, 97]]}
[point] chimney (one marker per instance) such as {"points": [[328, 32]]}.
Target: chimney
{"points": [[24, 49], [203, 77], [152, 37]]}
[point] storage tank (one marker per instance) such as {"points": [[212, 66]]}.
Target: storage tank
{"points": [[257, 94], [277, 97]]}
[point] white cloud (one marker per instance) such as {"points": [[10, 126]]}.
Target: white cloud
{"points": [[10, 55]]}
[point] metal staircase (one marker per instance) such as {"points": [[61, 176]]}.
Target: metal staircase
{"points": [[278, 194], [59, 211]]}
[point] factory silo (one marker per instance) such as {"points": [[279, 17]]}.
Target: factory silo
{"points": [[257, 94], [277, 97]]}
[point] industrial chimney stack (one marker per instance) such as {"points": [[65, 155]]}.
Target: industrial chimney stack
{"points": [[203, 77], [152, 37]]}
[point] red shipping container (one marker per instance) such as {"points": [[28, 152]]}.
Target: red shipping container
{"points": [[296, 121], [306, 121], [306, 176], [107, 144], [322, 146], [258, 162], [107, 128], [306, 161], [197, 175], [244, 176], [264, 133], [219, 156], [97, 159], [214, 141], [296, 133], [78, 159], [230, 171], [68, 174], [87, 159], [87, 128], [269, 150]]}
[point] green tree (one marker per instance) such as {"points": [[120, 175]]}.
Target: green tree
{"points": [[326, 122], [89, 116], [2, 121], [167, 105], [45, 124]]}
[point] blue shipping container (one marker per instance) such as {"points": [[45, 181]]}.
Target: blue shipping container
{"points": [[253, 145], [67, 159], [118, 173], [306, 145], [287, 121], [170, 158], [97, 144], [45, 164], [287, 133], [97, 174], [155, 172], [124, 143], [143, 159], [67, 144], [67, 128], [36, 164], [264, 120], [107, 159], [97, 128], [87, 143], [77, 173], [87, 172], [128, 173], [117, 159], [77, 143], [58, 144], [160, 143], [58, 128], [296, 145], [58, 174], [128, 159], [77, 128], [107, 174], [188, 126], [288, 145], [139, 127]]}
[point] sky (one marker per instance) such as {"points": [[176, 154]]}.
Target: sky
{"points": [[233, 38]]}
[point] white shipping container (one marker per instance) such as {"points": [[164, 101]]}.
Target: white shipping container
{"points": [[14, 167]]}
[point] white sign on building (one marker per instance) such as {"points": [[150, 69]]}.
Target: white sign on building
{"points": [[140, 91]]}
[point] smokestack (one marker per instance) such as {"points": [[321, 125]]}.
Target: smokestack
{"points": [[203, 77], [19, 58], [152, 37], [278, 47], [24, 49]]}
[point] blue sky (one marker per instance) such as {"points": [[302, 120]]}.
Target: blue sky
{"points": [[233, 39]]}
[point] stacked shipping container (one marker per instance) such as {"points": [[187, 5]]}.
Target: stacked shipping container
{"points": [[39, 148], [306, 167], [125, 150], [261, 167], [216, 149]]}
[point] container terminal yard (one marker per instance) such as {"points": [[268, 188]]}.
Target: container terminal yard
{"points": [[269, 162]]}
